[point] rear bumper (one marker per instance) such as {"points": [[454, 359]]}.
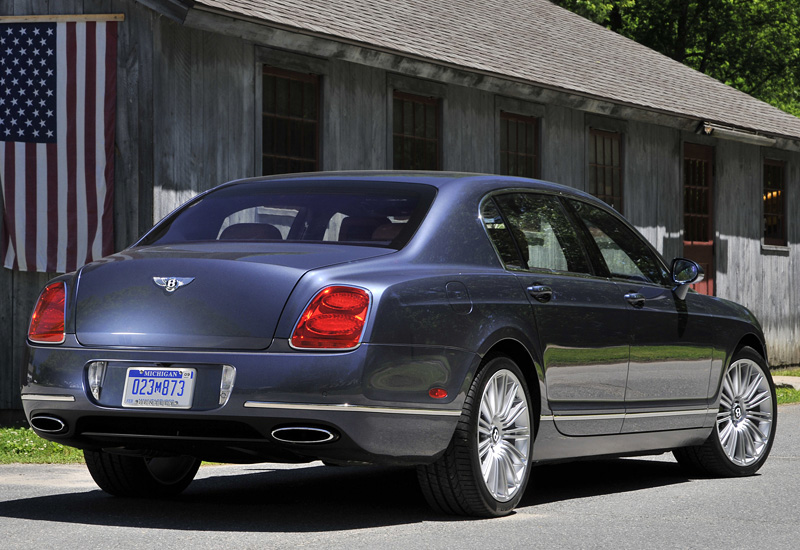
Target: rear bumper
{"points": [[373, 401]]}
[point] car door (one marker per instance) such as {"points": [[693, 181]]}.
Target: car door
{"points": [[671, 351], [581, 320]]}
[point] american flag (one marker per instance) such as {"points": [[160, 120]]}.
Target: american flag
{"points": [[57, 107]]}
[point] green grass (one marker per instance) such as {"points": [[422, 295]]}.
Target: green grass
{"points": [[23, 446], [787, 395], [789, 371]]}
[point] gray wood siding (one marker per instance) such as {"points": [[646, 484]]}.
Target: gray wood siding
{"points": [[764, 279], [469, 139], [204, 86], [563, 140], [355, 117], [653, 192]]}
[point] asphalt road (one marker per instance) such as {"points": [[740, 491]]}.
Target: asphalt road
{"points": [[626, 503]]}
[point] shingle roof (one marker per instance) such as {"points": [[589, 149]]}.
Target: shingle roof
{"points": [[529, 40]]}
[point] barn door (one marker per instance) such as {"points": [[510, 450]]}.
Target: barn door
{"points": [[698, 211]]}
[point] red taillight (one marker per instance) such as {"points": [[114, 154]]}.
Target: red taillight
{"points": [[333, 320], [47, 322]]}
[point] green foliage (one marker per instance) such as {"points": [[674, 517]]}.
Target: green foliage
{"points": [[752, 45], [23, 445]]}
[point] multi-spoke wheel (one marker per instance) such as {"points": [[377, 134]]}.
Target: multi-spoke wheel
{"points": [[745, 426], [504, 435], [485, 469]]}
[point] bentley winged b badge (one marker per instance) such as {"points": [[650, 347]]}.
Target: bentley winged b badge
{"points": [[171, 284]]}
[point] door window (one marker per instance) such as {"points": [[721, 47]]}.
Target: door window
{"points": [[625, 254]]}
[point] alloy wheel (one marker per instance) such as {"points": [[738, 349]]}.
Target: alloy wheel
{"points": [[504, 435], [745, 417]]}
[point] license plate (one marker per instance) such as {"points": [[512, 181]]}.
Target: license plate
{"points": [[160, 388]]}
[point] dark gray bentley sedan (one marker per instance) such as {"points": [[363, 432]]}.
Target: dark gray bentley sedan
{"points": [[469, 325]]}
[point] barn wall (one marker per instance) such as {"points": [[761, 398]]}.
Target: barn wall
{"points": [[765, 279], [653, 192], [204, 87]]}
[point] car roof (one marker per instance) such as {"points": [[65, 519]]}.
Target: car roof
{"points": [[485, 183]]}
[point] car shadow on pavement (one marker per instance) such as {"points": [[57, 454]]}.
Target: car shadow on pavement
{"points": [[589, 478], [318, 498]]}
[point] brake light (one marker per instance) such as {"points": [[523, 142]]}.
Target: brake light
{"points": [[47, 321], [333, 320]]}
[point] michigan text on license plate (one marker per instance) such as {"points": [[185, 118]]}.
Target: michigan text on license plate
{"points": [[163, 388]]}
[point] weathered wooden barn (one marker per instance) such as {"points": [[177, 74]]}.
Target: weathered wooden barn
{"points": [[213, 90]]}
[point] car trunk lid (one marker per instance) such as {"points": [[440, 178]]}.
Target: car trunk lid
{"points": [[196, 296]]}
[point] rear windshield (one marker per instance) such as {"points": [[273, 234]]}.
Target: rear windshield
{"points": [[360, 213]]}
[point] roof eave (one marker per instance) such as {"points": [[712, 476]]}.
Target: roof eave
{"points": [[172, 9]]}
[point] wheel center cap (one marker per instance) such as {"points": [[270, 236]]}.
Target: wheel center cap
{"points": [[495, 435], [737, 412]]}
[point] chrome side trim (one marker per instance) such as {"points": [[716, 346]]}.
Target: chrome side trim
{"points": [[47, 397], [348, 408], [623, 416]]}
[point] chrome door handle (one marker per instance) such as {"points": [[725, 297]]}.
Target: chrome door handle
{"points": [[541, 293], [635, 299]]}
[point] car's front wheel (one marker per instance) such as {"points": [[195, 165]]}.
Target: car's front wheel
{"points": [[135, 476], [745, 426], [485, 469]]}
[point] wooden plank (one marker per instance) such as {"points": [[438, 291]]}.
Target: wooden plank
{"points": [[354, 123], [563, 146], [652, 192], [62, 18], [132, 40], [8, 381], [173, 125], [467, 113]]}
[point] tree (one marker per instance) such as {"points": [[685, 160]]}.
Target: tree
{"points": [[752, 45]]}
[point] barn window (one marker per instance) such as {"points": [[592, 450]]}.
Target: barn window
{"points": [[519, 145], [605, 167], [774, 199], [290, 122], [416, 143]]}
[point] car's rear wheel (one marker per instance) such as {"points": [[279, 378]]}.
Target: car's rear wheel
{"points": [[135, 476], [745, 426], [486, 467]]}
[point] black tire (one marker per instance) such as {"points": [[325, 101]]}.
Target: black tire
{"points": [[745, 427], [135, 476], [455, 484]]}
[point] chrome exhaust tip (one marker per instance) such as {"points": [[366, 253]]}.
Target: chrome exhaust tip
{"points": [[48, 424], [303, 434]]}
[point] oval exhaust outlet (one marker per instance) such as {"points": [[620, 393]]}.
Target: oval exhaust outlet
{"points": [[49, 424], [303, 434]]}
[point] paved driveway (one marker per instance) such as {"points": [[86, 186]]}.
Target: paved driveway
{"points": [[627, 503]]}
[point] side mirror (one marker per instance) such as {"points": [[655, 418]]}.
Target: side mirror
{"points": [[684, 273]]}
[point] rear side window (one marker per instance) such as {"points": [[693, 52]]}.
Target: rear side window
{"points": [[542, 234], [362, 213]]}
